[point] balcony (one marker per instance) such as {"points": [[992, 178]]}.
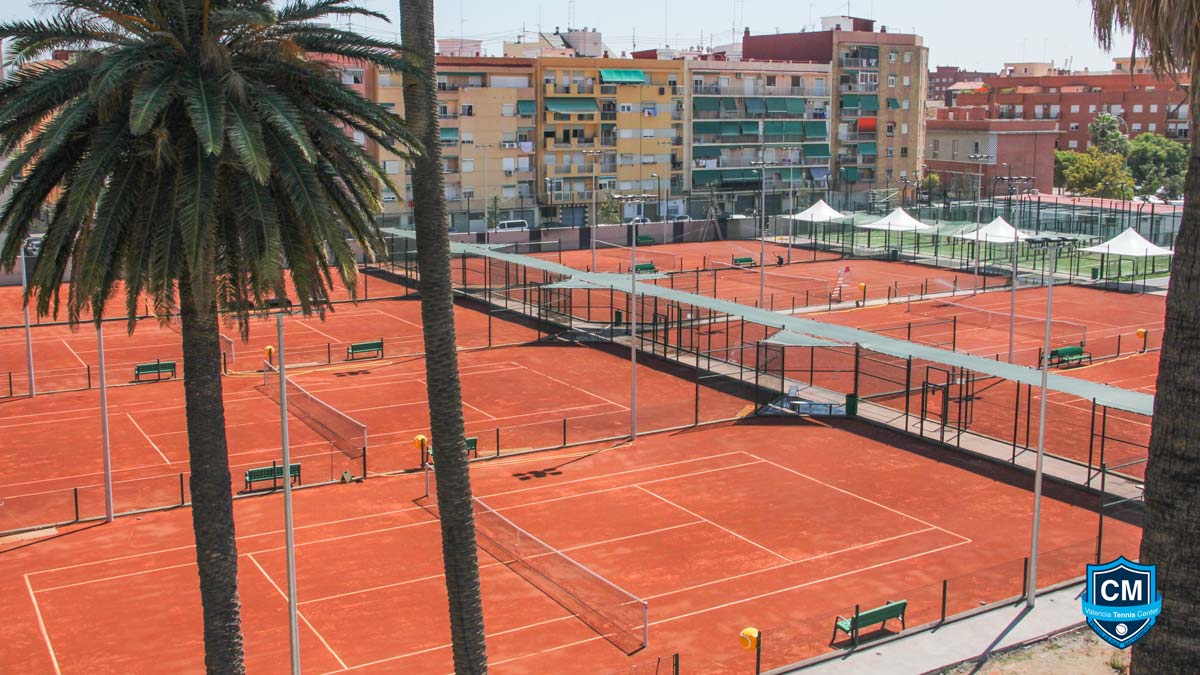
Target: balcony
{"points": [[562, 169], [701, 139], [608, 89], [608, 116], [448, 116], [859, 88], [849, 113], [857, 62], [608, 141], [855, 136]]}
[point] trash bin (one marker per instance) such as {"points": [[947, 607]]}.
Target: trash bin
{"points": [[851, 405], [618, 317], [1095, 274], [893, 254]]}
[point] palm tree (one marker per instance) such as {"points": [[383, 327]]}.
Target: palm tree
{"points": [[1167, 33], [193, 150], [459, 556]]}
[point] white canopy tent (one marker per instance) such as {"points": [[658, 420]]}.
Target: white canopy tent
{"points": [[1129, 244], [897, 221], [819, 212], [996, 232]]}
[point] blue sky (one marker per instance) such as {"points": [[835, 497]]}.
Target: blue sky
{"points": [[975, 34]]}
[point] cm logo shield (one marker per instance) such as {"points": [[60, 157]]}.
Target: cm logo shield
{"points": [[1121, 601]]}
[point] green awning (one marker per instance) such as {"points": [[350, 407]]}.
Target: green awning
{"points": [[777, 105], [750, 128], [613, 76], [706, 104], [706, 152], [756, 106], [729, 104], [849, 100], [868, 51], [793, 127], [815, 129], [770, 127], [739, 176], [731, 129], [706, 127], [705, 177], [816, 150], [571, 106], [449, 133], [869, 102], [463, 74], [850, 173], [893, 103], [526, 107], [796, 106], [867, 149]]}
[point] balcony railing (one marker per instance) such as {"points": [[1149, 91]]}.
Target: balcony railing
{"points": [[859, 88], [858, 62], [718, 138], [609, 89], [448, 116], [608, 116], [852, 137], [562, 169], [608, 141]]}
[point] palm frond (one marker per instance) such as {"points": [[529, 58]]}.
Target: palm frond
{"points": [[205, 105], [155, 89]]}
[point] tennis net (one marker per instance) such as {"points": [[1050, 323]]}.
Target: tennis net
{"points": [[1061, 330], [344, 432], [546, 250], [775, 281], [616, 614], [621, 255]]}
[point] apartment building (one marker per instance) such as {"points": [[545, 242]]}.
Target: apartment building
{"points": [[1010, 147], [877, 105], [609, 127], [942, 78], [751, 117], [486, 114], [1142, 101]]}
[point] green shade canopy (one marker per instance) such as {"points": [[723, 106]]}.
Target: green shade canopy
{"points": [[867, 149], [816, 150], [850, 173], [731, 129], [750, 128], [706, 152], [869, 102], [774, 127], [739, 176], [849, 100], [706, 177], [571, 106], [777, 105], [706, 104], [614, 76], [706, 127], [815, 129], [729, 104], [526, 107], [796, 106], [793, 127], [893, 103], [756, 106], [448, 133]]}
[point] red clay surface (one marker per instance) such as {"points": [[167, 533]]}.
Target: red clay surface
{"points": [[516, 398], [779, 526]]}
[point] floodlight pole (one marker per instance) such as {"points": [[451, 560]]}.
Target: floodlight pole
{"points": [[104, 442], [28, 329], [1031, 582], [978, 217], [289, 534], [762, 232]]}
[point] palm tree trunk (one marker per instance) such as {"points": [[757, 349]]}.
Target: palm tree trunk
{"points": [[212, 496], [1170, 539], [441, 357]]}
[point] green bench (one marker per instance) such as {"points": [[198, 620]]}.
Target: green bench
{"points": [[745, 261], [644, 268], [645, 240], [851, 626], [472, 450], [157, 369], [356, 348], [1069, 356], [272, 473]]}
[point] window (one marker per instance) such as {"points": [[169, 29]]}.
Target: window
{"points": [[797, 82], [1072, 144], [770, 80], [1092, 108], [908, 57], [508, 109], [904, 104], [891, 56], [391, 166], [352, 76], [466, 110], [1137, 126], [888, 152], [467, 137], [625, 107], [907, 81], [1075, 108], [904, 128], [934, 145], [387, 195], [468, 165], [891, 80], [975, 148], [1137, 107], [385, 79], [647, 133], [626, 133], [508, 137], [890, 130], [468, 193], [954, 149], [1152, 127], [1153, 107], [360, 138], [904, 151]]}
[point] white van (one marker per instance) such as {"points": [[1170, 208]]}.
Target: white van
{"points": [[510, 226]]}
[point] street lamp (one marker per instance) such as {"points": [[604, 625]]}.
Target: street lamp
{"points": [[979, 159], [486, 225], [762, 233], [658, 196], [633, 313], [594, 154]]}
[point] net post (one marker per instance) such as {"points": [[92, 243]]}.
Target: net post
{"points": [[364, 463], [646, 625], [945, 584], [1025, 577], [497, 441], [564, 432], [1100, 513], [88, 368], [182, 499], [75, 491], [328, 353]]}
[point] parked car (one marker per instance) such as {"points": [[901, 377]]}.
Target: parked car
{"points": [[637, 221], [681, 219], [510, 226]]}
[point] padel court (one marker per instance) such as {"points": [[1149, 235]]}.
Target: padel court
{"points": [[781, 526]]}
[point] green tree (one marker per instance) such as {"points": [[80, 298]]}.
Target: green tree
{"points": [[1106, 134], [932, 183], [443, 388], [1098, 174], [610, 211], [1063, 160], [1153, 159], [191, 151], [1166, 33]]}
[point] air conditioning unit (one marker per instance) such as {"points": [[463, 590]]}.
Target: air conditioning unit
{"points": [[508, 145], [389, 196], [737, 76], [509, 172]]}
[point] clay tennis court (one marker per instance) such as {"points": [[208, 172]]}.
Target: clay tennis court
{"points": [[779, 526]]}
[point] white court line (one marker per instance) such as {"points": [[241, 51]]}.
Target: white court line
{"points": [[860, 497], [114, 577], [81, 361], [415, 325], [42, 625], [568, 384], [147, 437], [480, 411], [298, 612], [719, 527], [317, 331]]}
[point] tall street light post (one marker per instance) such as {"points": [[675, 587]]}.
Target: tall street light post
{"points": [[633, 313], [595, 221], [979, 159], [487, 226], [762, 232]]}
